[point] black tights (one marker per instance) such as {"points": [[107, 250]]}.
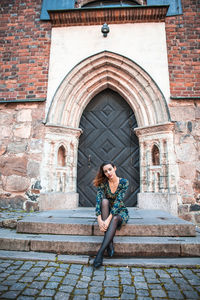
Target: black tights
{"points": [[114, 223]]}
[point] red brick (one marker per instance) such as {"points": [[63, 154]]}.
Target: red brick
{"points": [[27, 30], [181, 30]]}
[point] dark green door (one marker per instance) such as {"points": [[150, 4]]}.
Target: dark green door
{"points": [[108, 125]]}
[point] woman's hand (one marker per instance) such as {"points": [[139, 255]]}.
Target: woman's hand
{"points": [[107, 222], [102, 225]]}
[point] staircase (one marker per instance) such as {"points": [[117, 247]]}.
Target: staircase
{"points": [[149, 233]]}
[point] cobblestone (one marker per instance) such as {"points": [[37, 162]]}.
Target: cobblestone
{"points": [[39, 280], [175, 295], [93, 297], [95, 289], [66, 288], [60, 296], [80, 291]]}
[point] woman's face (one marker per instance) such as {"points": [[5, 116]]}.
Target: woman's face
{"points": [[109, 171]]}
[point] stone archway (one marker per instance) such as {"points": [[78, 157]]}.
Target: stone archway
{"points": [[108, 70], [88, 78]]}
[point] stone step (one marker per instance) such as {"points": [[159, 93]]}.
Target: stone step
{"points": [[82, 221], [88, 245]]}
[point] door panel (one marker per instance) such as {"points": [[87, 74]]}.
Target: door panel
{"points": [[108, 125]]}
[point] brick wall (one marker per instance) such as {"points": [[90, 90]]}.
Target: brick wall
{"points": [[25, 43], [183, 42], [24, 59], [24, 50]]}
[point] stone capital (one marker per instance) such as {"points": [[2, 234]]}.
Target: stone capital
{"points": [[158, 128], [62, 130]]}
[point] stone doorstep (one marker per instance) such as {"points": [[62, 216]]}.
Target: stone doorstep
{"points": [[89, 227], [88, 245], [81, 221], [56, 226]]}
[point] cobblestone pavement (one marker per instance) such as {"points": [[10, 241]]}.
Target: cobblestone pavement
{"points": [[45, 280]]}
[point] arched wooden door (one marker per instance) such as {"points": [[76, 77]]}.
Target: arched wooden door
{"points": [[108, 125]]}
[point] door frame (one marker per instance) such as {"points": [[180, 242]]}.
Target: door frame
{"points": [[118, 128]]}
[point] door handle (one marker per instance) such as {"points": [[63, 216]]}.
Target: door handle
{"points": [[89, 161]]}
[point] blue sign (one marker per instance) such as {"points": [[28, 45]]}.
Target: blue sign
{"points": [[55, 4], [174, 9]]}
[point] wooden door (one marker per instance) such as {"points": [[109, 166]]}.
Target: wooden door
{"points": [[108, 125]]}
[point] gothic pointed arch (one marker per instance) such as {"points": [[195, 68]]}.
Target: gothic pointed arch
{"points": [[108, 70]]}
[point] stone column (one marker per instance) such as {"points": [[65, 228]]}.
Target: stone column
{"points": [[59, 182], [158, 182]]}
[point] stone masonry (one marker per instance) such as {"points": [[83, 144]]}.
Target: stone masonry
{"points": [[21, 145]]}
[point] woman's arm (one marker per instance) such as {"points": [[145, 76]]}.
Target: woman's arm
{"points": [[99, 198]]}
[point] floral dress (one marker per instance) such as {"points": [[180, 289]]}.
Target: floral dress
{"points": [[117, 206]]}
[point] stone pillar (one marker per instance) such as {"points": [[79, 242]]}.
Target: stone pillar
{"points": [[158, 181], [59, 181]]}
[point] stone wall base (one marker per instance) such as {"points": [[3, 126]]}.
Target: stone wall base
{"points": [[167, 202], [12, 202], [48, 201]]}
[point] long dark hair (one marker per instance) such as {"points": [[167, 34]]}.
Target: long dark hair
{"points": [[101, 177]]}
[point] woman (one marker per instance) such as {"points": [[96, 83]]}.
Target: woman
{"points": [[110, 210]]}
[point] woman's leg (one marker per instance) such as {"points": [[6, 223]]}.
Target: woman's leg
{"points": [[108, 237], [105, 211]]}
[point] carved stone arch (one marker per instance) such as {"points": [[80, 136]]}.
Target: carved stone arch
{"points": [[108, 70]]}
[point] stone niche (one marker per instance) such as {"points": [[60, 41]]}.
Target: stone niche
{"points": [[158, 169], [59, 168]]}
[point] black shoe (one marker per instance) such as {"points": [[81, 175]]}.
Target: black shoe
{"points": [[110, 250], [98, 261]]}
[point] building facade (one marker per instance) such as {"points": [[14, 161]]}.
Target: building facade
{"points": [[72, 97]]}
